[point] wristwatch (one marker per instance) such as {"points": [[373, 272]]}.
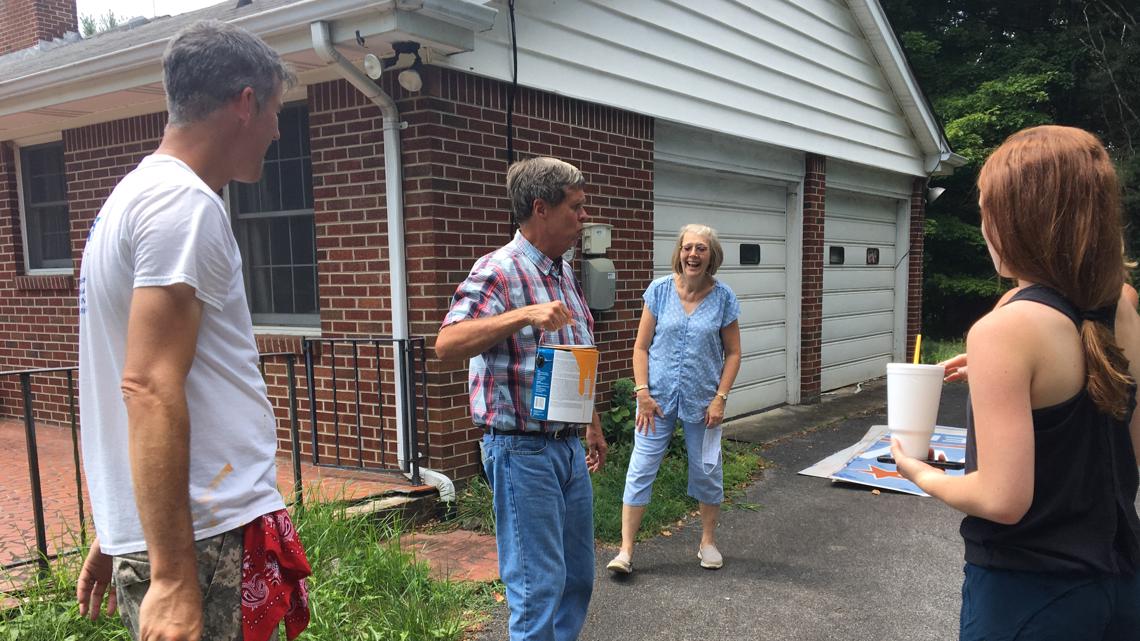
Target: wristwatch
{"points": [[721, 396]]}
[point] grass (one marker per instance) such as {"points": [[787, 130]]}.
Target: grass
{"points": [[670, 502], [670, 499], [937, 350], [363, 587]]}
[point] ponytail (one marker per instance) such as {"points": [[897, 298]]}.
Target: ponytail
{"points": [[1109, 382]]}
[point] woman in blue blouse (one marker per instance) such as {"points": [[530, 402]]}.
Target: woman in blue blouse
{"points": [[685, 360]]}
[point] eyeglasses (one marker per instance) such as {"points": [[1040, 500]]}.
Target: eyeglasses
{"points": [[700, 249]]}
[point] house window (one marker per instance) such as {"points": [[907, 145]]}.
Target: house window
{"points": [[273, 222], [47, 229]]}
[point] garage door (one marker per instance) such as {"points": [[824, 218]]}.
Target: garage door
{"points": [[749, 215], [860, 233]]}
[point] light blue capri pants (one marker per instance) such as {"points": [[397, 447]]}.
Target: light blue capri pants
{"points": [[649, 449]]}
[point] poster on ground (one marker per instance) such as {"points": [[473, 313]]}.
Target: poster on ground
{"points": [[858, 464]]}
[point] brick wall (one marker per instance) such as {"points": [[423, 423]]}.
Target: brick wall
{"points": [[811, 304], [38, 313], [23, 23], [459, 212], [914, 284], [455, 210], [11, 264]]}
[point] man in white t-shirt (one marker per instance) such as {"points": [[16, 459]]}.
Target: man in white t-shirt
{"points": [[179, 439]]}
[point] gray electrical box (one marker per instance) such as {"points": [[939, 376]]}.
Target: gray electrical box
{"points": [[599, 280]]}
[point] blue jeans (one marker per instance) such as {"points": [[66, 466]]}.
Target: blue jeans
{"points": [[544, 528], [649, 450], [1001, 605]]}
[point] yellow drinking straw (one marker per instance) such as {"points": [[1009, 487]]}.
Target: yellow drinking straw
{"points": [[917, 347]]}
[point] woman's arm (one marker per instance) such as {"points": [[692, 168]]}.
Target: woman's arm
{"points": [[1128, 338], [1000, 353], [730, 339], [646, 406]]}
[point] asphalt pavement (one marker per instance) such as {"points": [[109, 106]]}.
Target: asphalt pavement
{"points": [[810, 559]]}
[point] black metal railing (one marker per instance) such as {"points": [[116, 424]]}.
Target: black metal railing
{"points": [[25, 377], [353, 369], [294, 422], [323, 376]]}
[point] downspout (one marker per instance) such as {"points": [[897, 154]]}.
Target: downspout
{"points": [[394, 200]]}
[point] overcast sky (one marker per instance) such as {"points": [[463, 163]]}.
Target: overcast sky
{"points": [[127, 9]]}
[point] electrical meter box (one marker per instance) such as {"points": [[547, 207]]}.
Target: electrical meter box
{"points": [[599, 281], [595, 238]]}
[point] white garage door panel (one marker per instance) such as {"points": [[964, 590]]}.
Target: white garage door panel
{"points": [[761, 367], [861, 302], [724, 217], [763, 339], [849, 373], [846, 327], [860, 232], [848, 204], [846, 351], [673, 181], [747, 397], [858, 299], [742, 209], [857, 279], [751, 284], [762, 311]]}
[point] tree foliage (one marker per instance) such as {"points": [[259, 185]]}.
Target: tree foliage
{"points": [[90, 25], [991, 68]]}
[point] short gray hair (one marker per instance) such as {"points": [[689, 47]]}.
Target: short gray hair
{"points": [[542, 178], [210, 62]]}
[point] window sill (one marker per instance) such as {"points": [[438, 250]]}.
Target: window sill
{"points": [[271, 341], [46, 282]]}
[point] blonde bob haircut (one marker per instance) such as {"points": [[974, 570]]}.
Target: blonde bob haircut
{"points": [[716, 252]]}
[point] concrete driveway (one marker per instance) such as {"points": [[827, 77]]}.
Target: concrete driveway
{"points": [[814, 561]]}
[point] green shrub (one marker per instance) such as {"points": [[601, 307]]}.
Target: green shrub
{"points": [[618, 421]]}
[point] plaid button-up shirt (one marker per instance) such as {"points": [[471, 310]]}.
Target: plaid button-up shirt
{"points": [[501, 378]]}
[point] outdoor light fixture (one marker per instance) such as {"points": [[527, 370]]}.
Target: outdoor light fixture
{"points": [[407, 57], [933, 193]]}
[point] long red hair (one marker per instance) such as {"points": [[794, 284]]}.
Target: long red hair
{"points": [[1051, 206]]}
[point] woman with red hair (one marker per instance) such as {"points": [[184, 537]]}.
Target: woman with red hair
{"points": [[1051, 531]]}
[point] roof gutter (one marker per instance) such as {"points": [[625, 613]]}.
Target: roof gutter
{"points": [[264, 23], [394, 205]]}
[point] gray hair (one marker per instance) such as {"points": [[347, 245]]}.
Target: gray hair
{"points": [[210, 62], [716, 252], [541, 178]]}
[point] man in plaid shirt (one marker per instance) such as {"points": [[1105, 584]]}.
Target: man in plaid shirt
{"points": [[514, 298]]}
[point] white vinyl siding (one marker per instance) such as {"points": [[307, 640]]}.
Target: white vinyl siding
{"points": [[795, 74]]}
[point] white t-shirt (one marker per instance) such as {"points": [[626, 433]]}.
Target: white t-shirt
{"points": [[161, 226]]}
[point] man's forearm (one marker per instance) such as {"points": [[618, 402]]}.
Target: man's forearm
{"points": [[472, 337], [160, 468]]}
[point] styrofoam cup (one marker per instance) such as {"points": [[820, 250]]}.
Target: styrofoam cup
{"points": [[913, 395]]}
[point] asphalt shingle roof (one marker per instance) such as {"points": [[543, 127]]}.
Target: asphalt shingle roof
{"points": [[61, 53]]}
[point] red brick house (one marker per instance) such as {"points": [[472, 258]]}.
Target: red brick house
{"points": [[797, 130]]}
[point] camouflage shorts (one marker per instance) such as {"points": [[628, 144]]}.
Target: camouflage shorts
{"points": [[219, 575]]}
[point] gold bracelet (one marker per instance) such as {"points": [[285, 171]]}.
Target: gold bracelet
{"points": [[638, 388]]}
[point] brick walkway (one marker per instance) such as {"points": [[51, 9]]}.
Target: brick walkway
{"points": [[461, 555]]}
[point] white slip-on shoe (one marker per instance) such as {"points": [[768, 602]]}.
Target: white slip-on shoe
{"points": [[710, 557], [621, 564]]}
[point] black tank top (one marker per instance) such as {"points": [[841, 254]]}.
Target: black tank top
{"points": [[1083, 516]]}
